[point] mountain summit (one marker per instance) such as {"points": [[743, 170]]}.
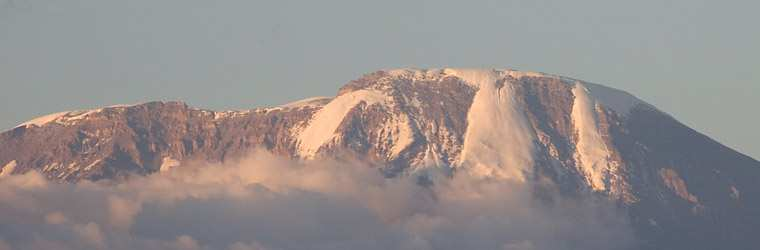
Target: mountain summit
{"points": [[682, 188]]}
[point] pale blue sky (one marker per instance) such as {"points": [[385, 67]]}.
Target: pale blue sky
{"points": [[697, 60]]}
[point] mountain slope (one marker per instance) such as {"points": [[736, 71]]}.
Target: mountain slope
{"points": [[683, 190]]}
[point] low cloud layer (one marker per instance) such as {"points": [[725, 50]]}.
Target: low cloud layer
{"points": [[265, 202]]}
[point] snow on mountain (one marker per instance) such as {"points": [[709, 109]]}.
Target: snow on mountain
{"points": [[8, 168], [321, 128], [168, 163], [308, 102], [498, 142], [682, 189], [65, 118], [617, 100], [592, 151], [42, 120]]}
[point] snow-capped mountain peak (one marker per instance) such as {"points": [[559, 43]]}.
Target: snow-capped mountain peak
{"points": [[536, 129]]}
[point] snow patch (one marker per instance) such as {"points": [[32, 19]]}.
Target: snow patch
{"points": [[520, 74], [48, 167], [498, 141], [322, 126], [676, 184], [63, 118], [414, 73], [124, 105], [79, 115], [7, 170], [400, 134], [40, 121], [68, 117], [591, 150], [617, 100], [168, 163], [308, 102], [401, 72], [475, 77], [71, 165], [89, 167], [227, 114]]}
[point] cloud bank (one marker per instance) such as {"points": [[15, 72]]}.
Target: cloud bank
{"points": [[265, 202]]}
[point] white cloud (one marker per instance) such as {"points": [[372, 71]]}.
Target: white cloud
{"points": [[185, 242], [91, 235], [265, 202]]}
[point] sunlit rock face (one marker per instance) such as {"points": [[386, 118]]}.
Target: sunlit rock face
{"points": [[681, 189]]}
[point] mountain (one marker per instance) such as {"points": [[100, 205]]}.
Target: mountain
{"points": [[682, 189]]}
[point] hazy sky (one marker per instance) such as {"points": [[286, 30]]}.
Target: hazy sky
{"points": [[697, 60]]}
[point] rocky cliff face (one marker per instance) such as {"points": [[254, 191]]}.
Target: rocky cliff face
{"points": [[683, 190]]}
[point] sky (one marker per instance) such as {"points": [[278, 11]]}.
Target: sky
{"points": [[697, 60]]}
